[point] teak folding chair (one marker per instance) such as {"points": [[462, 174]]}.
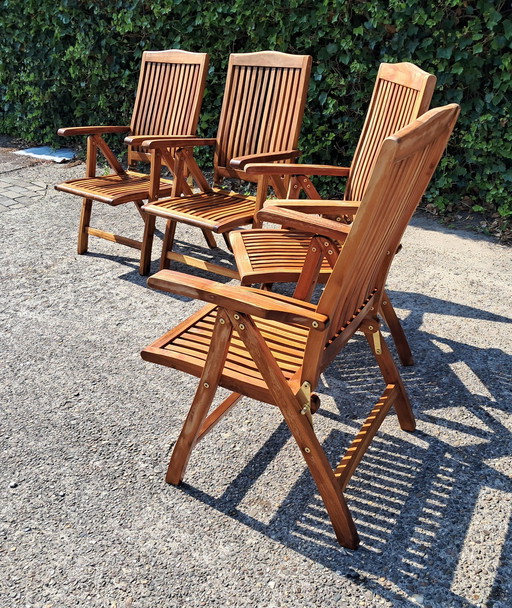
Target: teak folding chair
{"points": [[168, 101], [402, 92], [273, 348], [260, 121]]}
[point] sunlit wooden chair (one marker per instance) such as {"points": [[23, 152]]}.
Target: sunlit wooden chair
{"points": [[273, 348], [402, 92], [168, 101], [260, 121]]}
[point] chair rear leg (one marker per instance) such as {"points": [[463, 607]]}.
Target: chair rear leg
{"points": [[85, 219], [147, 244], [209, 238], [170, 230], [391, 376], [397, 331]]}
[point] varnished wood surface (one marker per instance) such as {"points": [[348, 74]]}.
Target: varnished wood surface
{"points": [[219, 210], [115, 189], [260, 119], [279, 360], [168, 101], [402, 92]]}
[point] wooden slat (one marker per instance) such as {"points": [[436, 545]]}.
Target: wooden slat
{"points": [[362, 441], [202, 264], [114, 189], [114, 238], [218, 211]]}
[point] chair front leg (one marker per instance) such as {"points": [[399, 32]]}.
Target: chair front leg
{"points": [[301, 430], [147, 244], [203, 398], [170, 230], [209, 238], [85, 220]]}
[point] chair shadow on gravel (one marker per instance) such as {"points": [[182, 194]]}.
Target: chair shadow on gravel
{"points": [[216, 256], [420, 499]]}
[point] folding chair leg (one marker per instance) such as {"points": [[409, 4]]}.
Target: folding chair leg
{"points": [[302, 432], [397, 332], [324, 478], [170, 230], [147, 244], [210, 239], [85, 219], [392, 377], [227, 241], [202, 400]]}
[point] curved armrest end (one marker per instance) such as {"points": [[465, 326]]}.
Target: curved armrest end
{"points": [[98, 130], [241, 162]]}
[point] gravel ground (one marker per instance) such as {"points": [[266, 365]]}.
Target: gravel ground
{"points": [[86, 518]]}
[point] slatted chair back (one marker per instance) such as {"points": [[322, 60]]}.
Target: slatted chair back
{"points": [[273, 348], [402, 92], [406, 163], [169, 96], [263, 107]]}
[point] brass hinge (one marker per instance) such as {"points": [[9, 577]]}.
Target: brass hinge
{"points": [[304, 395], [374, 329]]}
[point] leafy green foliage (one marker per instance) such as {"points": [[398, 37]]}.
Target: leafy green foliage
{"points": [[75, 62]]}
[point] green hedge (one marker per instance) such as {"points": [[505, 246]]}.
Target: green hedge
{"points": [[75, 62]]}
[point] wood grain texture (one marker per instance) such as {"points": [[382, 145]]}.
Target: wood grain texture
{"points": [[402, 92], [168, 101], [274, 348], [260, 119]]}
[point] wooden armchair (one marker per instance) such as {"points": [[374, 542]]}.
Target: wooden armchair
{"points": [[273, 348], [168, 101], [402, 92], [260, 121]]}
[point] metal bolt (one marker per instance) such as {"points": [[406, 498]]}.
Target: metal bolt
{"points": [[241, 326], [384, 303], [330, 252], [236, 316], [338, 219], [370, 327], [221, 321], [307, 450], [313, 249], [326, 244], [314, 324], [206, 385]]}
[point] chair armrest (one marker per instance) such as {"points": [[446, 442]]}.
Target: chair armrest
{"points": [[91, 130], [304, 222], [240, 299], [174, 141], [263, 157], [296, 169], [320, 206]]}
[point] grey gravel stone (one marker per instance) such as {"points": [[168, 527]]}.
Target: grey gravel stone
{"points": [[88, 426]]}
